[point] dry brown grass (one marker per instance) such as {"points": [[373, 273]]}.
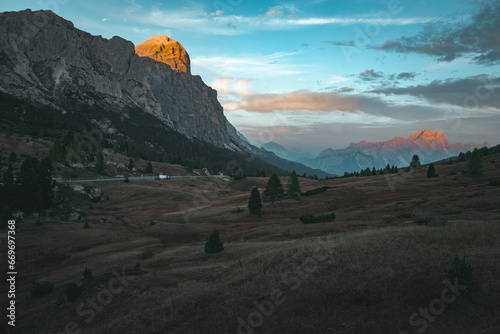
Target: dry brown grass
{"points": [[379, 267]]}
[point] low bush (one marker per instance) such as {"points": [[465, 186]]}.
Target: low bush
{"points": [[38, 290], [73, 292], [438, 223], [495, 183], [421, 217], [238, 210], [87, 275], [461, 270], [310, 219], [315, 191]]}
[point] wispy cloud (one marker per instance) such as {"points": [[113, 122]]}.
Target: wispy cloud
{"points": [[249, 65], [227, 86], [281, 17]]}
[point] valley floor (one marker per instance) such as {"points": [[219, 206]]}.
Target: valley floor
{"points": [[371, 270]]}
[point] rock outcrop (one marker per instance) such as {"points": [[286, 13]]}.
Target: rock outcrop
{"points": [[165, 50], [47, 62]]}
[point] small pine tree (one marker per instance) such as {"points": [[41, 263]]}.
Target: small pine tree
{"points": [[293, 188], [87, 275], [475, 164], [56, 153], [415, 161], [274, 189], [99, 164], [131, 164], [461, 270], [254, 202], [149, 168], [431, 172], [12, 157], [214, 243]]}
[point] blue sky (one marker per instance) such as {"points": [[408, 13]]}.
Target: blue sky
{"points": [[325, 73]]}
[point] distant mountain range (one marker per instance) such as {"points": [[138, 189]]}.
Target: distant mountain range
{"points": [[290, 154], [429, 145]]}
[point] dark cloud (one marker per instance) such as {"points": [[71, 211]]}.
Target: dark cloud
{"points": [[370, 75], [340, 43], [480, 90], [450, 57], [345, 90], [480, 35], [406, 76], [304, 45]]}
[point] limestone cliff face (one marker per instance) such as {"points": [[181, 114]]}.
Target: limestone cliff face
{"points": [[166, 50], [45, 60]]}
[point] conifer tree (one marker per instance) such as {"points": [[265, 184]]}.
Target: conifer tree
{"points": [[99, 164], [56, 153], [274, 189], [214, 243], [131, 164], [431, 172], [293, 188], [475, 164], [254, 202], [149, 168], [415, 161]]}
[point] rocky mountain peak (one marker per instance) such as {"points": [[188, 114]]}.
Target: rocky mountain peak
{"points": [[164, 49], [429, 137]]}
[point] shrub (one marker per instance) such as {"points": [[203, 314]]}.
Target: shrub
{"points": [[87, 275], [495, 183], [310, 219], [420, 217], [214, 243], [238, 210], [38, 290], [86, 225], [152, 223], [137, 266], [315, 191], [72, 292], [438, 223], [462, 270]]}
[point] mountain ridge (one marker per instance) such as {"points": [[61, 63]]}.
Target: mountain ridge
{"points": [[54, 74], [429, 145]]}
